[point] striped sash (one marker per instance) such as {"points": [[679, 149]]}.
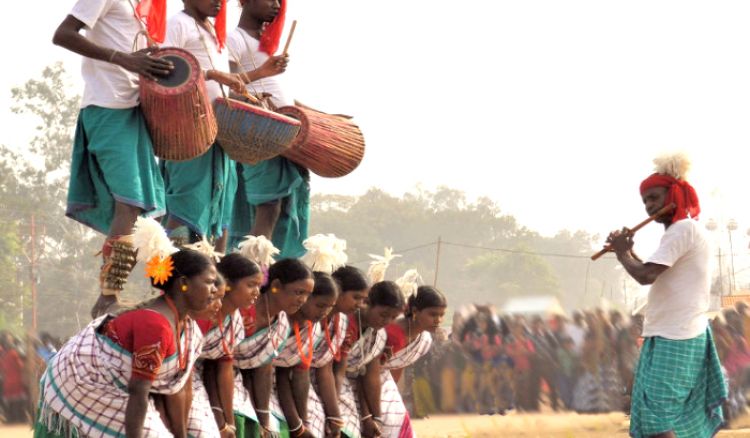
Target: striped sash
{"points": [[201, 421], [362, 353], [396, 422], [316, 416], [253, 352]]}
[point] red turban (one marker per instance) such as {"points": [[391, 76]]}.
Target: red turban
{"points": [[154, 15], [679, 192], [220, 25], [269, 41]]}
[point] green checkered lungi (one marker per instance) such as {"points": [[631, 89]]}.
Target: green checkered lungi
{"points": [[678, 387]]}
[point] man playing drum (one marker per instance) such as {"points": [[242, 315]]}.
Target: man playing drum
{"points": [[199, 192], [114, 176], [679, 386], [273, 196]]}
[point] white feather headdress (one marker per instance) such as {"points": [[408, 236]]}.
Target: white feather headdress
{"points": [[325, 253], [204, 247], [151, 240], [379, 265], [409, 282], [676, 165], [258, 249]]}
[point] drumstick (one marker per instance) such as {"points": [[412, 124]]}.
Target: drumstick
{"points": [[664, 210], [289, 38], [250, 97]]}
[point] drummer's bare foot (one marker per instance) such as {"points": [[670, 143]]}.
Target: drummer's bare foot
{"points": [[103, 305]]}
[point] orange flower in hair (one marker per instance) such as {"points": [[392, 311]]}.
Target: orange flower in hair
{"points": [[159, 269]]}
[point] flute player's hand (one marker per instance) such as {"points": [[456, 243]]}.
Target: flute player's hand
{"points": [[621, 241]]}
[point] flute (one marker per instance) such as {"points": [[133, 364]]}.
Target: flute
{"points": [[664, 210]]}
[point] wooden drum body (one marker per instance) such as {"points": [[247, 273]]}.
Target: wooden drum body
{"points": [[250, 134], [177, 110], [329, 145]]}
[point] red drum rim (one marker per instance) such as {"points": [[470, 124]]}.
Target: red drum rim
{"points": [[193, 76], [242, 106]]}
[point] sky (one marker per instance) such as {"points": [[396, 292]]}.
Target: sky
{"points": [[554, 109]]}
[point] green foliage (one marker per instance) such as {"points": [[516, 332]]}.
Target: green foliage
{"points": [[485, 255], [34, 183]]}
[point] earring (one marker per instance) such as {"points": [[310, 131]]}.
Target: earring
{"points": [[274, 290], [184, 288], [227, 288]]}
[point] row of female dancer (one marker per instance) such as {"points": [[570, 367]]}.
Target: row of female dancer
{"points": [[242, 346]]}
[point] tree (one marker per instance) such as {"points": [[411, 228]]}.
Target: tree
{"points": [[34, 181]]}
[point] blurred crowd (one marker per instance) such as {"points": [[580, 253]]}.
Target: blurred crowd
{"points": [[490, 363], [487, 363], [22, 362]]}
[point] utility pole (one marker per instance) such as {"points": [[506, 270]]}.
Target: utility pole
{"points": [[437, 261]]}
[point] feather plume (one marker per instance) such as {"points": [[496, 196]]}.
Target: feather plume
{"points": [[675, 165], [204, 247], [325, 253], [151, 240], [409, 282], [258, 249], [379, 265]]}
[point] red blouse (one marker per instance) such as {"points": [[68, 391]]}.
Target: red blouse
{"points": [[396, 341], [146, 334], [350, 337], [248, 320]]}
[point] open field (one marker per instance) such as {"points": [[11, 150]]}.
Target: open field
{"points": [[547, 425]]}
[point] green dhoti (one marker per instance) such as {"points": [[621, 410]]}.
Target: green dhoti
{"points": [[113, 160], [678, 387], [200, 192], [274, 180]]}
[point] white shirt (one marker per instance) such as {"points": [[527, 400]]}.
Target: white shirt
{"points": [[244, 51], [679, 298], [577, 335], [111, 24], [184, 32]]}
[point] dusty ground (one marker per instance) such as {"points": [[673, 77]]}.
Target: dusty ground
{"points": [[567, 425], [511, 426]]}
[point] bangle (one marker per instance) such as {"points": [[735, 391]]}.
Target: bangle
{"points": [[217, 409], [300, 431], [263, 411], [366, 417], [337, 421], [300, 426], [112, 55]]}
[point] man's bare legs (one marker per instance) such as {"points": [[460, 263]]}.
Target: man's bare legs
{"points": [[118, 257]]}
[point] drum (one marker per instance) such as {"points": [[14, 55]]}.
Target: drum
{"points": [[329, 145], [177, 110], [250, 134]]}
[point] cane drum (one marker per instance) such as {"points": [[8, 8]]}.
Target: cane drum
{"points": [[329, 145], [177, 109], [250, 134]]}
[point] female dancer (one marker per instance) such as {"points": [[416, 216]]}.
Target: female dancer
{"points": [[102, 381], [267, 327], [409, 338], [212, 412], [323, 414], [289, 402], [364, 343]]}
